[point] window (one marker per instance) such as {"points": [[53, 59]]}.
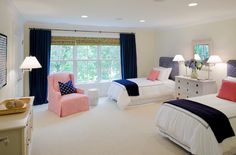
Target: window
{"points": [[89, 63]]}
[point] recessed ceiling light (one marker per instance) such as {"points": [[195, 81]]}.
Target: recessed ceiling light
{"points": [[119, 18], [142, 21], [192, 4], [84, 16]]}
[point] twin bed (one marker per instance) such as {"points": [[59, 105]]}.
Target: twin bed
{"points": [[149, 91], [192, 132], [181, 126]]}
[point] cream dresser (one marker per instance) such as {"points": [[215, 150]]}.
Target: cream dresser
{"points": [[15, 132], [186, 87]]}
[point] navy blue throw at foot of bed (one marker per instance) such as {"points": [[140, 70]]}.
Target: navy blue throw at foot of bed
{"points": [[217, 120], [131, 87]]}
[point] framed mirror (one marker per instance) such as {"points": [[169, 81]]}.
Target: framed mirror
{"points": [[203, 48]]}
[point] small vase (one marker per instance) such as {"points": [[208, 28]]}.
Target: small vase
{"points": [[194, 74]]}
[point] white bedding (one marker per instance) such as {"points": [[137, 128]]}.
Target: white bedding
{"points": [[193, 133], [149, 91]]}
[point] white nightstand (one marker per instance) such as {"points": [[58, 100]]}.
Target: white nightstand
{"points": [[186, 87], [16, 132], [93, 96]]}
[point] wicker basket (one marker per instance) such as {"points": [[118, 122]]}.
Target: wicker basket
{"points": [[5, 111]]}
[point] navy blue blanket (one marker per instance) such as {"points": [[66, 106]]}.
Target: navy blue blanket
{"points": [[217, 120], [131, 87]]}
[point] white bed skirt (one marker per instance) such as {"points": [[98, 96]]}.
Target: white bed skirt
{"points": [[193, 133], [149, 91]]}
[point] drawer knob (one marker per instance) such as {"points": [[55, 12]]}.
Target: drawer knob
{"points": [[196, 92], [187, 96], [178, 87], [179, 81], [179, 94], [4, 140], [196, 85], [187, 89], [187, 82]]}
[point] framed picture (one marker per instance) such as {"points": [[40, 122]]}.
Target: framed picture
{"points": [[3, 60], [203, 48]]}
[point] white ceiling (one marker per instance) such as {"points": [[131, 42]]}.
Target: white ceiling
{"points": [[157, 13]]}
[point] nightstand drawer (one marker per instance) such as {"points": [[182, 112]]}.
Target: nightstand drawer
{"points": [[9, 142]]}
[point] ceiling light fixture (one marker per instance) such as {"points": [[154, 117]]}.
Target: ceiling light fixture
{"points": [[119, 18], [84, 16], [142, 21], [159, 0], [192, 4]]}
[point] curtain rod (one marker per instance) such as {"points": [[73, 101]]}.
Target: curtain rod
{"points": [[80, 30]]}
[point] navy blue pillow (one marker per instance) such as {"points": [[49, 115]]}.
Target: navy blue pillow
{"points": [[66, 88]]}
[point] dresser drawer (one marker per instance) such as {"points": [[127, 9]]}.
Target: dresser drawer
{"points": [[9, 142], [182, 83], [196, 88], [183, 93]]}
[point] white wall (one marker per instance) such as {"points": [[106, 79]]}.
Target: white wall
{"points": [[12, 26], [145, 42], [179, 41]]}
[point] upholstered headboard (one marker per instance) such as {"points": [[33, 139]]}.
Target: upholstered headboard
{"points": [[169, 63], [231, 68]]}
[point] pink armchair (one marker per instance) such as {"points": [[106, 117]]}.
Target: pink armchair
{"points": [[66, 104]]}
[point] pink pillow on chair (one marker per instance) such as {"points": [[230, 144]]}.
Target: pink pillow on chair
{"points": [[153, 75], [228, 90]]}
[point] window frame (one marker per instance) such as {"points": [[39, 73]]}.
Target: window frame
{"points": [[98, 60]]}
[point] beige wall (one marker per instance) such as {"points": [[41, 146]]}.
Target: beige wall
{"points": [[12, 26], [179, 41], [151, 44], [145, 42]]}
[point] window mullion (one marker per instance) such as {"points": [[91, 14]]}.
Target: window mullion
{"points": [[87, 63], [99, 63], [75, 62]]}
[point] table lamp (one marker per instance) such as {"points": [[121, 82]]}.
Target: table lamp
{"points": [[213, 59], [179, 58]]}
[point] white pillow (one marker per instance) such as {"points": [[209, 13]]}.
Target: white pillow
{"points": [[164, 73], [230, 78]]}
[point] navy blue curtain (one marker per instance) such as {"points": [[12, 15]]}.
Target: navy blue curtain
{"points": [[128, 56], [40, 46]]}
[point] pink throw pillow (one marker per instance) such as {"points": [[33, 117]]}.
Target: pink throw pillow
{"points": [[228, 90], [153, 75]]}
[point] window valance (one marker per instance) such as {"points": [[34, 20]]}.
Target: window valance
{"points": [[61, 40]]}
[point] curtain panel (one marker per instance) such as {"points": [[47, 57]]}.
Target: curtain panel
{"points": [[40, 46], [128, 56], [60, 40]]}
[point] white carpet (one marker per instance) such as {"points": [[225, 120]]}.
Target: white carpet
{"points": [[103, 130]]}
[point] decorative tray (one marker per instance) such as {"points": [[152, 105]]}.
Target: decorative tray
{"points": [[13, 106]]}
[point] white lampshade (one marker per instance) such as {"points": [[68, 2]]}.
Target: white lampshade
{"points": [[197, 57], [178, 58], [30, 63], [213, 59]]}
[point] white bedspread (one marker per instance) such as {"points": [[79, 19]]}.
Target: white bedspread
{"points": [[149, 91], [193, 133]]}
